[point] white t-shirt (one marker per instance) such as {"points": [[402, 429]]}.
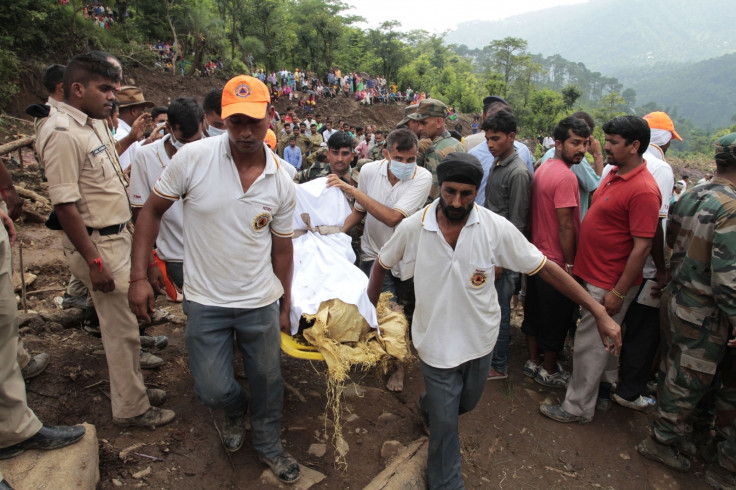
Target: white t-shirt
{"points": [[406, 196], [146, 169], [128, 155], [457, 314], [665, 178], [227, 237]]}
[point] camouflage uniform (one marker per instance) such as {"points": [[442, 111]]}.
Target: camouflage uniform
{"points": [[442, 146], [376, 152], [698, 314]]}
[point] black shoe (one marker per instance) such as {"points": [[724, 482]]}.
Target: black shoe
{"points": [[156, 397], [4, 485], [49, 437], [233, 433], [284, 466]]}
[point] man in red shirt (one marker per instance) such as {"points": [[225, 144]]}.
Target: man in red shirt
{"points": [[615, 240], [555, 222]]}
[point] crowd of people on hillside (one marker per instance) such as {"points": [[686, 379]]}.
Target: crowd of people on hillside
{"points": [[103, 16], [588, 235]]}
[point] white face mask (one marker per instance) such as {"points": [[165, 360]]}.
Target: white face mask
{"points": [[402, 171], [177, 144], [213, 131]]}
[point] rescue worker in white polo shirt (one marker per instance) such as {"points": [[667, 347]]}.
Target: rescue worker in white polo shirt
{"points": [[388, 191], [238, 265], [453, 246]]}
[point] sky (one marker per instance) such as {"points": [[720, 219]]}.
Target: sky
{"points": [[437, 16]]}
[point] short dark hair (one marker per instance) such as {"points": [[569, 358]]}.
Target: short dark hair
{"points": [[158, 110], [52, 77], [502, 121], [630, 128], [497, 106], [403, 138], [571, 124], [185, 114], [377, 132], [341, 139], [587, 118], [84, 67], [212, 102], [359, 128]]}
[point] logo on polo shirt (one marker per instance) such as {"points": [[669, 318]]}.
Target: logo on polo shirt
{"points": [[478, 278], [261, 221], [242, 90]]}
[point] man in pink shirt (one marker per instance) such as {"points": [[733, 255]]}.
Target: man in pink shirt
{"points": [[555, 222]]}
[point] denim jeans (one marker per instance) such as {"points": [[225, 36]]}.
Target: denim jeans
{"points": [[209, 339], [450, 393], [389, 282], [505, 290], [175, 271]]}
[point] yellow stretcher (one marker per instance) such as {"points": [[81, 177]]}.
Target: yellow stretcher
{"points": [[298, 347]]}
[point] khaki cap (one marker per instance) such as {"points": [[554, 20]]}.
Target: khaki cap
{"points": [[128, 96]]}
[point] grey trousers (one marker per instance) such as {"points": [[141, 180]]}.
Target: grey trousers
{"points": [[591, 363]]}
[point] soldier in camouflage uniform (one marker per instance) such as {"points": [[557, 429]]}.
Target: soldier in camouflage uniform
{"points": [[376, 152], [430, 116], [698, 317]]}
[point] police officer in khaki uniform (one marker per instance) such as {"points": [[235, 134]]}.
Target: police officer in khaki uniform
{"points": [[20, 429], [88, 190]]}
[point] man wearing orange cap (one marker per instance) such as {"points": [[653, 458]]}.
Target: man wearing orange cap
{"points": [[235, 190], [663, 131]]}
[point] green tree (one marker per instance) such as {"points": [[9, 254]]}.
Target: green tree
{"points": [[388, 47], [507, 57], [544, 107], [570, 94], [611, 105]]}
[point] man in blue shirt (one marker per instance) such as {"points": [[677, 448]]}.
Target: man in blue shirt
{"points": [[293, 154]]}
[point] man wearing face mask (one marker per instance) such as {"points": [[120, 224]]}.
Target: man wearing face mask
{"points": [[184, 125], [388, 191], [212, 106]]}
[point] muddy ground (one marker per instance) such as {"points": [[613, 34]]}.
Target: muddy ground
{"points": [[505, 442]]}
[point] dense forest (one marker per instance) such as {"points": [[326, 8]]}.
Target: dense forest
{"points": [[316, 35]]}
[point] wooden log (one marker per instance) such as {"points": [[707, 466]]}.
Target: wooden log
{"points": [[407, 470], [17, 144], [29, 194]]}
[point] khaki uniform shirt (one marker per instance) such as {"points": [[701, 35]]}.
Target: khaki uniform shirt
{"points": [[82, 167], [304, 143]]}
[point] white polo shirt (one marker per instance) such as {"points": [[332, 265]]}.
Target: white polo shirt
{"points": [[406, 196], [227, 237], [457, 314], [150, 161], [665, 178], [128, 155]]}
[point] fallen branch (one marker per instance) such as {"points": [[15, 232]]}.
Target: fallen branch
{"points": [[49, 290], [565, 473], [139, 62], [295, 392], [14, 145], [29, 194], [94, 384]]}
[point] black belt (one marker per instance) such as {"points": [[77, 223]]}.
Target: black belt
{"points": [[108, 230]]}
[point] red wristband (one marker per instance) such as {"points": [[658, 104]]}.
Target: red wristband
{"points": [[136, 280], [98, 262], [151, 265]]}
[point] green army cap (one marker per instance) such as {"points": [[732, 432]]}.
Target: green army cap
{"points": [[726, 150], [407, 112], [429, 108]]}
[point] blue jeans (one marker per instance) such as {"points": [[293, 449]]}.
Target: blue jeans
{"points": [[209, 338], [505, 290], [389, 282], [450, 393]]}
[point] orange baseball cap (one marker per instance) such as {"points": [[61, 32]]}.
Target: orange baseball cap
{"points": [[245, 95], [660, 120], [270, 139]]}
